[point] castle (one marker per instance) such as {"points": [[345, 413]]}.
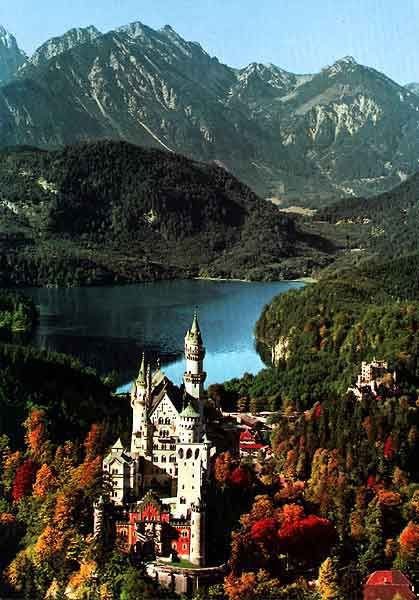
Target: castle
{"points": [[158, 486]]}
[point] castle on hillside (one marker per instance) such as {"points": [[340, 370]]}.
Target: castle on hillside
{"points": [[372, 376], [159, 484]]}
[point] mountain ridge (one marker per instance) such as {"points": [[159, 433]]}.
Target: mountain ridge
{"points": [[11, 56], [306, 139]]}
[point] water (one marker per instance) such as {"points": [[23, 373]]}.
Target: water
{"points": [[109, 327]]}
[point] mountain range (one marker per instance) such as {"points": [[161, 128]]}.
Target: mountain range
{"points": [[307, 139]]}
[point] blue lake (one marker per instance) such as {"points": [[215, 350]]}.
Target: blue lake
{"points": [[109, 327]]}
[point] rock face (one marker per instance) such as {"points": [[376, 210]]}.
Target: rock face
{"points": [[348, 130], [11, 57], [59, 45], [413, 87]]}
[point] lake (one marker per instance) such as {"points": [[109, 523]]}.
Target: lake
{"points": [[108, 328]]}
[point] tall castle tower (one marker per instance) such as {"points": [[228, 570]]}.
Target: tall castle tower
{"points": [[140, 440], [195, 375]]}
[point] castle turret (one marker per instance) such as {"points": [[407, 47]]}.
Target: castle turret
{"points": [[198, 543], [189, 425], [195, 375]]}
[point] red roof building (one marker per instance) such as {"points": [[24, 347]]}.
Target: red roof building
{"points": [[250, 443], [388, 585]]}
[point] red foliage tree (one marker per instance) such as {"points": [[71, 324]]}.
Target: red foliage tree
{"points": [[389, 449], [240, 477], [24, 480], [306, 538], [264, 530]]}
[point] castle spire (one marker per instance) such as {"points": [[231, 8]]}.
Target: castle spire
{"points": [[194, 333], [195, 375], [142, 373]]}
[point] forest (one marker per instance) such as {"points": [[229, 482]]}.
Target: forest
{"points": [[111, 212]]}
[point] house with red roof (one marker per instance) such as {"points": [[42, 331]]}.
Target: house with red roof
{"points": [[388, 585], [251, 443]]}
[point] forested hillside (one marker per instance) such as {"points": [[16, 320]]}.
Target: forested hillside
{"points": [[110, 211], [342, 481], [386, 223], [319, 336]]}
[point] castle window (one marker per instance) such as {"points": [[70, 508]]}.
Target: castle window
{"points": [[167, 421], [183, 500], [163, 458], [114, 471], [155, 459], [172, 459], [184, 546], [155, 447], [188, 453], [196, 453], [180, 452], [161, 421], [172, 446]]}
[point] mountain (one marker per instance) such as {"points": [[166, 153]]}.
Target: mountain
{"points": [[11, 57], [110, 211], [58, 45], [305, 139], [413, 87]]}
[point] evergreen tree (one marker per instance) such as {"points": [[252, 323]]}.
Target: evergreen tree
{"points": [[328, 584], [373, 556]]}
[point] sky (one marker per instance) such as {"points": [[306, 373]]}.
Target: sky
{"points": [[301, 36]]}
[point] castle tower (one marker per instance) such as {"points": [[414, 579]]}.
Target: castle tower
{"points": [[140, 440], [197, 554], [195, 375]]}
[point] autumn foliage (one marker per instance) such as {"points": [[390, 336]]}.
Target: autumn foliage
{"points": [[24, 479], [409, 540]]}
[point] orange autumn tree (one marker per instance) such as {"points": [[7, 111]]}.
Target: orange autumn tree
{"points": [[45, 482], [38, 446], [223, 467], [409, 541]]}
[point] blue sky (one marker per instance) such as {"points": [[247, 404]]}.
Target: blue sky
{"points": [[299, 35]]}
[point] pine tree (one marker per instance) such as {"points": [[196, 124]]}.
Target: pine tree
{"points": [[373, 555], [328, 584]]}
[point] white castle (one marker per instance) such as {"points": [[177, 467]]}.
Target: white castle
{"points": [[160, 481]]}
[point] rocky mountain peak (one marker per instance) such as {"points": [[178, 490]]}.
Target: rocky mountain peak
{"points": [[11, 56], [60, 44], [347, 64]]}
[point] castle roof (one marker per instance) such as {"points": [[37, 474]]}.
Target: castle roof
{"points": [[166, 388], [194, 333], [189, 411]]}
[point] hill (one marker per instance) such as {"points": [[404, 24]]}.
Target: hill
{"points": [[305, 139], [111, 212], [387, 223]]}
